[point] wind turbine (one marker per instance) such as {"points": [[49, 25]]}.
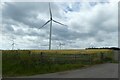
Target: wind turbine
{"points": [[61, 44], [13, 44], [92, 45], [50, 20]]}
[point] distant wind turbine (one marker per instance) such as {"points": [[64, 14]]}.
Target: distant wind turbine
{"points": [[60, 45], [50, 20], [13, 44], [92, 45]]}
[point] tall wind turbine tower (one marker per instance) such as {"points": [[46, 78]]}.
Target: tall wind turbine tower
{"points": [[50, 20]]}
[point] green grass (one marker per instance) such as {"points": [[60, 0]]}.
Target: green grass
{"points": [[23, 62], [0, 63], [40, 69]]}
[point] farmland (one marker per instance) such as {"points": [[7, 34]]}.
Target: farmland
{"points": [[81, 51], [30, 62]]}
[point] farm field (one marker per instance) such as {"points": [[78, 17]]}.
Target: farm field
{"points": [[31, 62], [81, 51]]}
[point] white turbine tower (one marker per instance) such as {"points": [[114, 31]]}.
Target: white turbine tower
{"points": [[50, 20]]}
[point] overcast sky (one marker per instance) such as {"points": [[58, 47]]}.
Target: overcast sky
{"points": [[89, 24]]}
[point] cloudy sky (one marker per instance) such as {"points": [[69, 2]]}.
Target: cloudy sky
{"points": [[89, 24]]}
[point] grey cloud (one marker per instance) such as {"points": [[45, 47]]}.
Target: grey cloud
{"points": [[27, 12], [101, 22], [63, 33], [99, 39], [7, 29], [20, 32], [24, 16]]}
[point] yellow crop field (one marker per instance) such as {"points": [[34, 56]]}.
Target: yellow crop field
{"points": [[82, 51]]}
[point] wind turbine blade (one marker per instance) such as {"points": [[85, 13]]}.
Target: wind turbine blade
{"points": [[45, 24], [59, 23], [50, 11]]}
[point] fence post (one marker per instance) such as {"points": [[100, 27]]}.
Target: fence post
{"points": [[41, 57], [75, 57], [90, 58], [29, 52], [101, 57]]}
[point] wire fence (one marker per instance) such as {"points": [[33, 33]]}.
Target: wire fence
{"points": [[75, 58], [55, 58]]}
